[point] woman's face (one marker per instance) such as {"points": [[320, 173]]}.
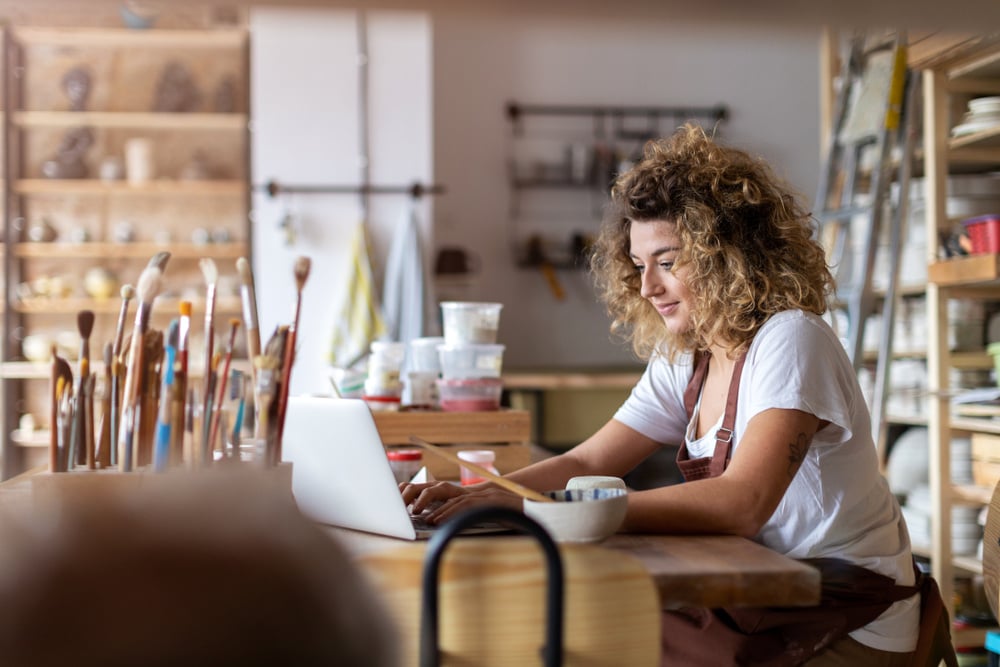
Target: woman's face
{"points": [[654, 247]]}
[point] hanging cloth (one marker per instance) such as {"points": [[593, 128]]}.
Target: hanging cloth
{"points": [[404, 291], [360, 321]]}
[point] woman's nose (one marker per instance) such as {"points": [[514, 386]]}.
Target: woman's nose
{"points": [[650, 284]]}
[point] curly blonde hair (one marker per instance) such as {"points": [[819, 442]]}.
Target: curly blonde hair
{"points": [[747, 245]]}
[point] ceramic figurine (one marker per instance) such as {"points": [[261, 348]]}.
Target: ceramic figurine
{"points": [[176, 90], [68, 162], [76, 85]]}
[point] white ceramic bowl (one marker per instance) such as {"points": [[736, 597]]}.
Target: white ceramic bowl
{"points": [[580, 515], [595, 482]]}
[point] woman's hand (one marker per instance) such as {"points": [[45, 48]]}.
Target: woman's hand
{"points": [[443, 500]]}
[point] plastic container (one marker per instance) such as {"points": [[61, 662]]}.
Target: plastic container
{"points": [[405, 463], [984, 232], [470, 360], [423, 355], [470, 394], [993, 349], [420, 390], [383, 388], [470, 321], [484, 458]]}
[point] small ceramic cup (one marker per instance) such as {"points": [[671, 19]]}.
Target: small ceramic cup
{"points": [[595, 482]]}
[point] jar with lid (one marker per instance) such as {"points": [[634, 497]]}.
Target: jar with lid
{"points": [[405, 463], [483, 458], [383, 388]]}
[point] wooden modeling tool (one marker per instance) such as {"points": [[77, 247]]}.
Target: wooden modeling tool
{"points": [[211, 274], [248, 297], [234, 325], [301, 272], [148, 288], [499, 480], [85, 443]]}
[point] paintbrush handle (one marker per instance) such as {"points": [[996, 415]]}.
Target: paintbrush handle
{"points": [[283, 389], [499, 480]]}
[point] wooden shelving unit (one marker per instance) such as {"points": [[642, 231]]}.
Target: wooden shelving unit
{"points": [[172, 211], [967, 67]]}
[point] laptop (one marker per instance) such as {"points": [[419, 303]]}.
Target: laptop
{"points": [[340, 473]]}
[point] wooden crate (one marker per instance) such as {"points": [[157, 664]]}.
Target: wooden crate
{"points": [[985, 459], [506, 432]]}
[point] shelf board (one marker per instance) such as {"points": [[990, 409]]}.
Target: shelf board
{"points": [[141, 120], [221, 38], [986, 138], [97, 250], [975, 424], [73, 305], [972, 495], [967, 563], [910, 420], [965, 271], [45, 186]]}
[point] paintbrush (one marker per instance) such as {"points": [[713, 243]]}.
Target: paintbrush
{"points": [[159, 261], [161, 447], [180, 388], [211, 274], [148, 396], [148, 288], [62, 378], [207, 446], [84, 445], [268, 379], [301, 273], [248, 296], [104, 431], [127, 293], [234, 325]]}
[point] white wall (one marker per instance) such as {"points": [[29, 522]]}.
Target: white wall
{"points": [[767, 76], [440, 83], [304, 106]]}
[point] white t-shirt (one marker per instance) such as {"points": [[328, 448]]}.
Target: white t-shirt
{"points": [[838, 505]]}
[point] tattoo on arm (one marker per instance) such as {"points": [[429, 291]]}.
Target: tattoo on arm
{"points": [[797, 453]]}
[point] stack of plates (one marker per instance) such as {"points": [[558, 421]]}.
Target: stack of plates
{"points": [[983, 114]]}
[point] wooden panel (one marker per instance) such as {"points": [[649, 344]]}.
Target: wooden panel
{"points": [[492, 604], [499, 426], [509, 457], [965, 270]]}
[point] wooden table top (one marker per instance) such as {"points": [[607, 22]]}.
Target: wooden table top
{"points": [[688, 570]]}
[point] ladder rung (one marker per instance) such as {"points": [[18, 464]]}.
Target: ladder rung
{"points": [[843, 213]]}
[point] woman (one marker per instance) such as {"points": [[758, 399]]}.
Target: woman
{"points": [[708, 266]]}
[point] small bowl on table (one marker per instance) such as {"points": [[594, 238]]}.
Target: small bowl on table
{"points": [[580, 515]]}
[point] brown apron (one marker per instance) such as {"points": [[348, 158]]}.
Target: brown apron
{"points": [[851, 596]]}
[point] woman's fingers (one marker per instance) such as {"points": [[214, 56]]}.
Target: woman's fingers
{"points": [[421, 496], [485, 498]]}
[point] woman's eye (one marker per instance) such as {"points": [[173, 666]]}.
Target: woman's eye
{"points": [[639, 268], [667, 266]]}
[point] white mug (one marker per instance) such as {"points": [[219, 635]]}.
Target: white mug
{"points": [[595, 482], [139, 160]]}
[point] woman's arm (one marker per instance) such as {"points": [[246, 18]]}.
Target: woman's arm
{"points": [[743, 498], [613, 450]]}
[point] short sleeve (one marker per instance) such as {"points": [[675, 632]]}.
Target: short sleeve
{"points": [[655, 407], [796, 362]]}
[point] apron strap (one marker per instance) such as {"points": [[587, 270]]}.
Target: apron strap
{"points": [[724, 436]]}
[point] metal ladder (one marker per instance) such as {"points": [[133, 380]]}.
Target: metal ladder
{"points": [[873, 115]]}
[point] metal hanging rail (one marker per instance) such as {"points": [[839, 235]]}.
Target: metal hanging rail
{"points": [[415, 190], [716, 112]]}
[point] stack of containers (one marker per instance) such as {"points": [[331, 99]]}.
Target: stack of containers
{"points": [[423, 368], [383, 389], [470, 357]]}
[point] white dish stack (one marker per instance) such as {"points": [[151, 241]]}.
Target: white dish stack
{"points": [[470, 358], [983, 114]]}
